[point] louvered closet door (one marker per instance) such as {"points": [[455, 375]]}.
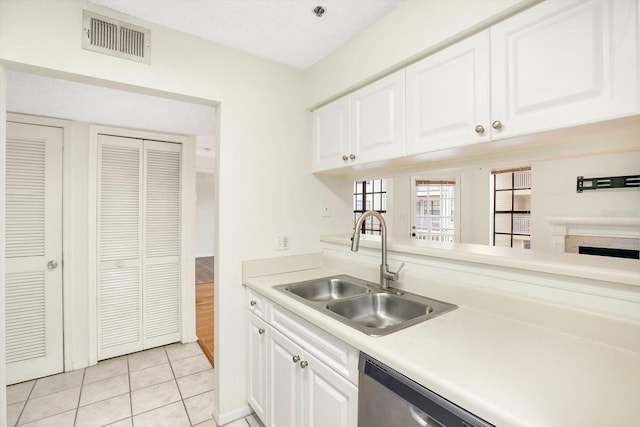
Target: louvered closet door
{"points": [[119, 241], [161, 277], [34, 238], [138, 245]]}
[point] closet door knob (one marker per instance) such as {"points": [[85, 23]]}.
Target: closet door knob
{"points": [[479, 129], [304, 364], [344, 157], [52, 265], [352, 156], [295, 359], [496, 124], [253, 302], [261, 331]]}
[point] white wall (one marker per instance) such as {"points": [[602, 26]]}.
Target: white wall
{"points": [[3, 137], [554, 192], [410, 31], [263, 146], [205, 211]]}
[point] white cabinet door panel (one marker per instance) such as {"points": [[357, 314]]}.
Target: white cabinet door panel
{"points": [[378, 114], [562, 63], [331, 134], [257, 353], [329, 399], [285, 397], [448, 96], [34, 238]]}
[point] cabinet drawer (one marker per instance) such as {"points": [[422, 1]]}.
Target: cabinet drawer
{"points": [[257, 304], [335, 353]]}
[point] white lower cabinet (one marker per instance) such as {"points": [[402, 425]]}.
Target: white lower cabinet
{"points": [[303, 391], [257, 348], [298, 375]]}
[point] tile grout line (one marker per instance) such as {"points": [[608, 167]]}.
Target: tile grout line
{"points": [[75, 417], [130, 390], [175, 379], [25, 402]]}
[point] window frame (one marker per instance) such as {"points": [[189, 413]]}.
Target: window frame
{"points": [[512, 212], [457, 223], [371, 225]]}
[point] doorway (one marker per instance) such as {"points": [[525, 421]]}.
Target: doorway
{"points": [[204, 265]]}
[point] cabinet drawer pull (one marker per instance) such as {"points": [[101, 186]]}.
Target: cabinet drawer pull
{"points": [[295, 359], [253, 302], [304, 364], [479, 129], [496, 124], [344, 157], [261, 331], [352, 156]]}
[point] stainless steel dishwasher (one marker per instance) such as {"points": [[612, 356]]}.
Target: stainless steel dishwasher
{"points": [[389, 399]]}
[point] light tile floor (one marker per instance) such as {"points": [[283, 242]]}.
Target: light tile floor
{"points": [[168, 386]]}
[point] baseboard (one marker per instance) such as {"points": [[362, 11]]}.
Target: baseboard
{"points": [[228, 417]]}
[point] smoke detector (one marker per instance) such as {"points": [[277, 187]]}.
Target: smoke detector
{"points": [[319, 11]]}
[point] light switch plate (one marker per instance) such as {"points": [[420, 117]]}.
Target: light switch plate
{"points": [[282, 242]]}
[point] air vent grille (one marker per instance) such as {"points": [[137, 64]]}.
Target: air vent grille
{"points": [[115, 38]]}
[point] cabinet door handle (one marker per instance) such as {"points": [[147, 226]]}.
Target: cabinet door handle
{"points": [[344, 157], [479, 129], [496, 124], [295, 359], [261, 331], [252, 303], [304, 364], [352, 156]]}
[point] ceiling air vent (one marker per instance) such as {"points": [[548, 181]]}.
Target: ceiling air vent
{"points": [[115, 38]]}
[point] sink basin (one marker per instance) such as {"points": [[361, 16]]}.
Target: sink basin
{"points": [[328, 289], [365, 306], [379, 310]]}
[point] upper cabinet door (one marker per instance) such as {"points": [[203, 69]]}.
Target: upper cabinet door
{"points": [[448, 97], [377, 114], [562, 63], [331, 135]]}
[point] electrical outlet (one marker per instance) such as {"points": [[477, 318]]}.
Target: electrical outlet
{"points": [[282, 242]]}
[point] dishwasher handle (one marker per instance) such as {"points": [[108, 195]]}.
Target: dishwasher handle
{"points": [[422, 418]]}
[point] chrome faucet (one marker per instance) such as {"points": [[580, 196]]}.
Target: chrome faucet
{"points": [[385, 274]]}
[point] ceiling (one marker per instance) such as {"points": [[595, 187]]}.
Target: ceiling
{"points": [[285, 31], [49, 97]]}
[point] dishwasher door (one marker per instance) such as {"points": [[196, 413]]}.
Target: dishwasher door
{"points": [[386, 398]]}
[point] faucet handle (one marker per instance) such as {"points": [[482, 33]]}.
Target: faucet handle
{"points": [[396, 274]]}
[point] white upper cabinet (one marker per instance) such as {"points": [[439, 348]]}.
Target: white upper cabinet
{"points": [[448, 97], [332, 133], [377, 114], [365, 126], [563, 63]]}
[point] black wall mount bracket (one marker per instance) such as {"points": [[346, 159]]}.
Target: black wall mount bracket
{"points": [[628, 181]]}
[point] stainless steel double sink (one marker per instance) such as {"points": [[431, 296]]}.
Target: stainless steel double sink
{"points": [[365, 306]]}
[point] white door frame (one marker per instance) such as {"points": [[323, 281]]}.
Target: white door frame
{"points": [[188, 175], [67, 224]]}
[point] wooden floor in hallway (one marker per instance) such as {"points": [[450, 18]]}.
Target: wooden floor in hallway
{"points": [[204, 305]]}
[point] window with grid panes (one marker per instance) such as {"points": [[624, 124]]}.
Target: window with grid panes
{"points": [[369, 195], [434, 217], [512, 207]]}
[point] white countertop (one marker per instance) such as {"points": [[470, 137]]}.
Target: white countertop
{"points": [[508, 372]]}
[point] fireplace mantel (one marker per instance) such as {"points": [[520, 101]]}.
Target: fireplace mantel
{"points": [[612, 227]]}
